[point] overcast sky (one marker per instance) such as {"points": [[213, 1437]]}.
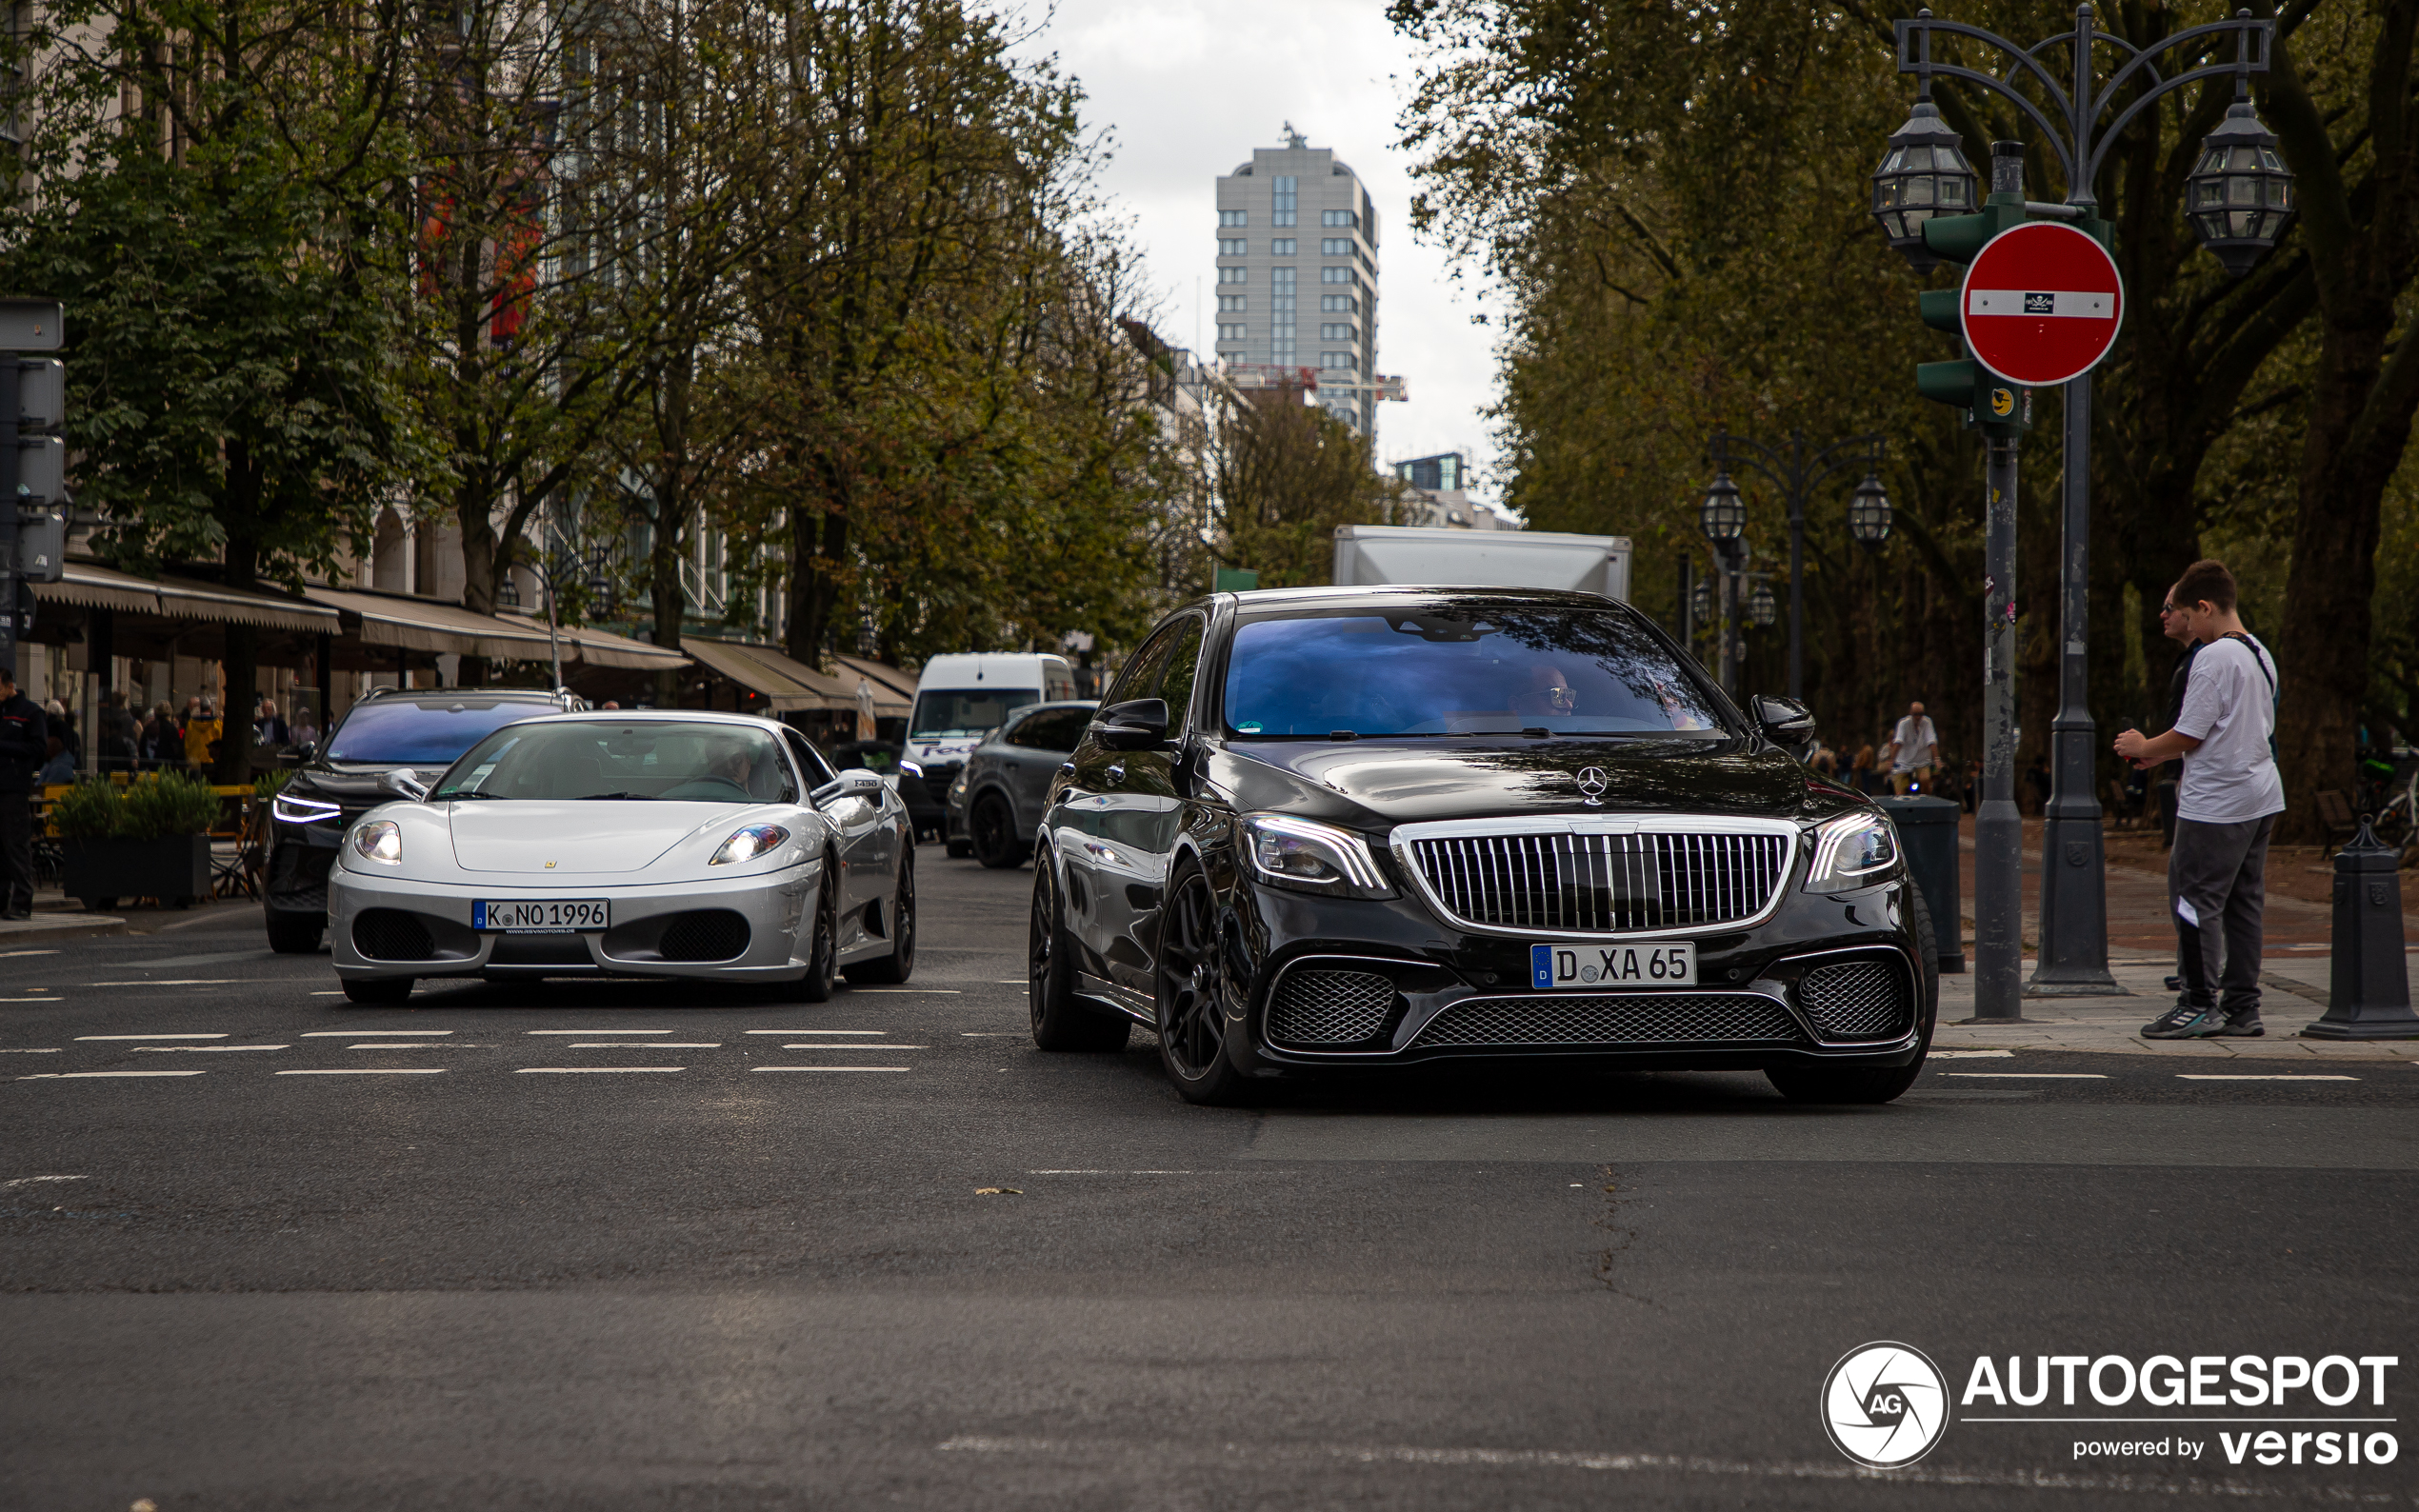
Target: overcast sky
{"points": [[1189, 88]]}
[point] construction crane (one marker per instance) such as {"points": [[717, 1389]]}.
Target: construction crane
{"points": [[1312, 380]]}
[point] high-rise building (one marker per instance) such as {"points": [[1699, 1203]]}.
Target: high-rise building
{"points": [[1297, 272]]}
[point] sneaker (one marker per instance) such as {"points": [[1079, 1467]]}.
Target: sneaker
{"points": [[2242, 1026], [2184, 1023], [2176, 983]]}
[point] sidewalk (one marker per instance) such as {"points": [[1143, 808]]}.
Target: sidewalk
{"points": [[58, 917], [2295, 968]]}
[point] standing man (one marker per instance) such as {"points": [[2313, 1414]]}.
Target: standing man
{"points": [[2227, 804], [2173, 625], [24, 738], [1913, 750]]}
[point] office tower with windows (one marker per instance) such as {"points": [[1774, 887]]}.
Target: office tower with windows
{"points": [[1297, 227]]}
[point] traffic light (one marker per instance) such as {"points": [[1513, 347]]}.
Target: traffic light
{"points": [[1998, 408]]}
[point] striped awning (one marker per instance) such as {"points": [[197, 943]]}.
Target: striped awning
{"points": [[93, 586]]}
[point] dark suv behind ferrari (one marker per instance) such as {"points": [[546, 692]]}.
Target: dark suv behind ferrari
{"points": [[387, 731]]}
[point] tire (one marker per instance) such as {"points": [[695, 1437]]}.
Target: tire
{"points": [[295, 934], [1188, 982], [378, 991], [997, 844], [1061, 1021], [899, 964], [822, 948], [1876, 1084]]}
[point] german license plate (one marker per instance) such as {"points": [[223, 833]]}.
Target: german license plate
{"points": [[539, 916], [1666, 964]]}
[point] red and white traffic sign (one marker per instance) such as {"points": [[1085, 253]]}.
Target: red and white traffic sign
{"points": [[2041, 303]]}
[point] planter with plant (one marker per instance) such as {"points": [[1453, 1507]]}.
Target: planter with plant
{"points": [[147, 840]]}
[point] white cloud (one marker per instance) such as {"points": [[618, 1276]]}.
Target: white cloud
{"points": [[1189, 87]]}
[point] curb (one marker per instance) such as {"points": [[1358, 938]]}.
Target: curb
{"points": [[59, 926]]}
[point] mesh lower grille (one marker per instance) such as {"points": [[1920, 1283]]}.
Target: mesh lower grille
{"points": [[1330, 1007], [1642, 1017], [1855, 999], [706, 934], [391, 934]]}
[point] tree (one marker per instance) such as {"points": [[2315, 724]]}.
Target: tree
{"points": [[1287, 473]]}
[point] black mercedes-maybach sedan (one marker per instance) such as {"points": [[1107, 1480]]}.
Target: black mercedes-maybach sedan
{"points": [[1312, 829]]}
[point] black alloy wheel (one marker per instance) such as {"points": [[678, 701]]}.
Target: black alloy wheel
{"points": [[378, 991], [899, 964], [294, 934], [1191, 980], [1061, 1021], [1876, 1084], [994, 829], [823, 952]]}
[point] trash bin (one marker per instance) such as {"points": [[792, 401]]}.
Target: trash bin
{"points": [[1928, 832]]}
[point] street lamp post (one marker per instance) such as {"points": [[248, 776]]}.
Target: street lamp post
{"points": [[2239, 199], [1723, 518], [1797, 474]]}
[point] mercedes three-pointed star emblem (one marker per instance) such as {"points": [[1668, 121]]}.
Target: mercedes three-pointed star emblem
{"points": [[1592, 783]]}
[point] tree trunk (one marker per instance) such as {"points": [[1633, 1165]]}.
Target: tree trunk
{"points": [[818, 536], [239, 666]]}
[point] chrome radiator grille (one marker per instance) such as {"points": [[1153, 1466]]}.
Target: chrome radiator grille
{"points": [[1602, 884]]}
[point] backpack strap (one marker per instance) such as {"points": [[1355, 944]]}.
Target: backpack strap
{"points": [[2257, 660]]}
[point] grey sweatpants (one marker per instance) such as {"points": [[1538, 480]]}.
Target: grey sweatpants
{"points": [[2216, 886]]}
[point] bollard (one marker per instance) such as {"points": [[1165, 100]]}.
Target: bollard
{"points": [[1928, 832], [2369, 985]]}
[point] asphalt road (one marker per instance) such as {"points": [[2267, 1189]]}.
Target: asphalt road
{"points": [[608, 1246]]}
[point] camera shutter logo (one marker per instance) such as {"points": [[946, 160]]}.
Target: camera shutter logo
{"points": [[1592, 783], [1885, 1405]]}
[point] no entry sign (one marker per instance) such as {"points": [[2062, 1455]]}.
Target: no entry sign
{"points": [[2040, 304]]}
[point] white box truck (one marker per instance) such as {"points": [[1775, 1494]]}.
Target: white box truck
{"points": [[1368, 555]]}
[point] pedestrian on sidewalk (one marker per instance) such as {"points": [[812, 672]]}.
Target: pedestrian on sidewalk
{"points": [[2175, 626], [2226, 806], [24, 736], [1914, 748]]}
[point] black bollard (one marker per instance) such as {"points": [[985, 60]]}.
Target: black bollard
{"points": [[1927, 827], [2369, 985]]}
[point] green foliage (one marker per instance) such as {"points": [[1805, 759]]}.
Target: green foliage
{"points": [[160, 805], [1287, 474], [269, 784], [92, 809]]}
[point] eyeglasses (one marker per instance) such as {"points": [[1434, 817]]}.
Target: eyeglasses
{"points": [[2170, 608], [1562, 695]]}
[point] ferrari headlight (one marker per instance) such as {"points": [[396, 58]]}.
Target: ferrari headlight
{"points": [[1851, 851], [380, 840], [1308, 857], [289, 808], [747, 845]]}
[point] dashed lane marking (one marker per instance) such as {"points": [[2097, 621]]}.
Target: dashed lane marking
{"points": [[886, 1047], [82, 1076], [2296, 1076], [941, 992], [12, 954], [363, 1034], [1969, 1055], [52, 1050], [2029, 1076], [647, 1044], [393, 1044], [818, 1031], [28, 1180], [836, 1069], [338, 994], [176, 982], [372, 1070], [574, 1033], [589, 1070], [81, 1038], [204, 1049]]}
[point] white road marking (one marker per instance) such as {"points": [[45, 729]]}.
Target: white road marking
{"points": [[988, 1034], [337, 994], [945, 992], [177, 982], [2030, 1076], [398, 1045], [1179, 1173], [78, 1076], [1969, 1055], [818, 1031], [577, 1032], [885, 1046], [28, 999], [374, 1071], [203, 1049], [28, 1180], [81, 1038], [836, 1069], [10, 954], [2297, 1076], [363, 1034], [589, 1070], [647, 1044], [53, 1050]]}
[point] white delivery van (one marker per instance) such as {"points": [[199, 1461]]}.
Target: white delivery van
{"points": [[959, 697], [1368, 555]]}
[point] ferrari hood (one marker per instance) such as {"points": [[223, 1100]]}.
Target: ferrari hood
{"points": [[575, 836]]}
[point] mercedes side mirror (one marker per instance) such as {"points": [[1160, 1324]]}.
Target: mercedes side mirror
{"points": [[1784, 721], [855, 783], [405, 782], [1139, 723]]}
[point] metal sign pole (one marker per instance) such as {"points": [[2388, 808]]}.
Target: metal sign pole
{"points": [[1998, 827], [10, 507]]}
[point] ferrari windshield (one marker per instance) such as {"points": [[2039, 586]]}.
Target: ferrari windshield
{"points": [[626, 761], [1480, 670]]}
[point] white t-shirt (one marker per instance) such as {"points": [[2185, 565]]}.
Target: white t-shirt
{"points": [[1916, 739], [2229, 707]]}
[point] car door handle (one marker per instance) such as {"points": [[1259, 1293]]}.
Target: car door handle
{"points": [[1069, 768], [1117, 774]]}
